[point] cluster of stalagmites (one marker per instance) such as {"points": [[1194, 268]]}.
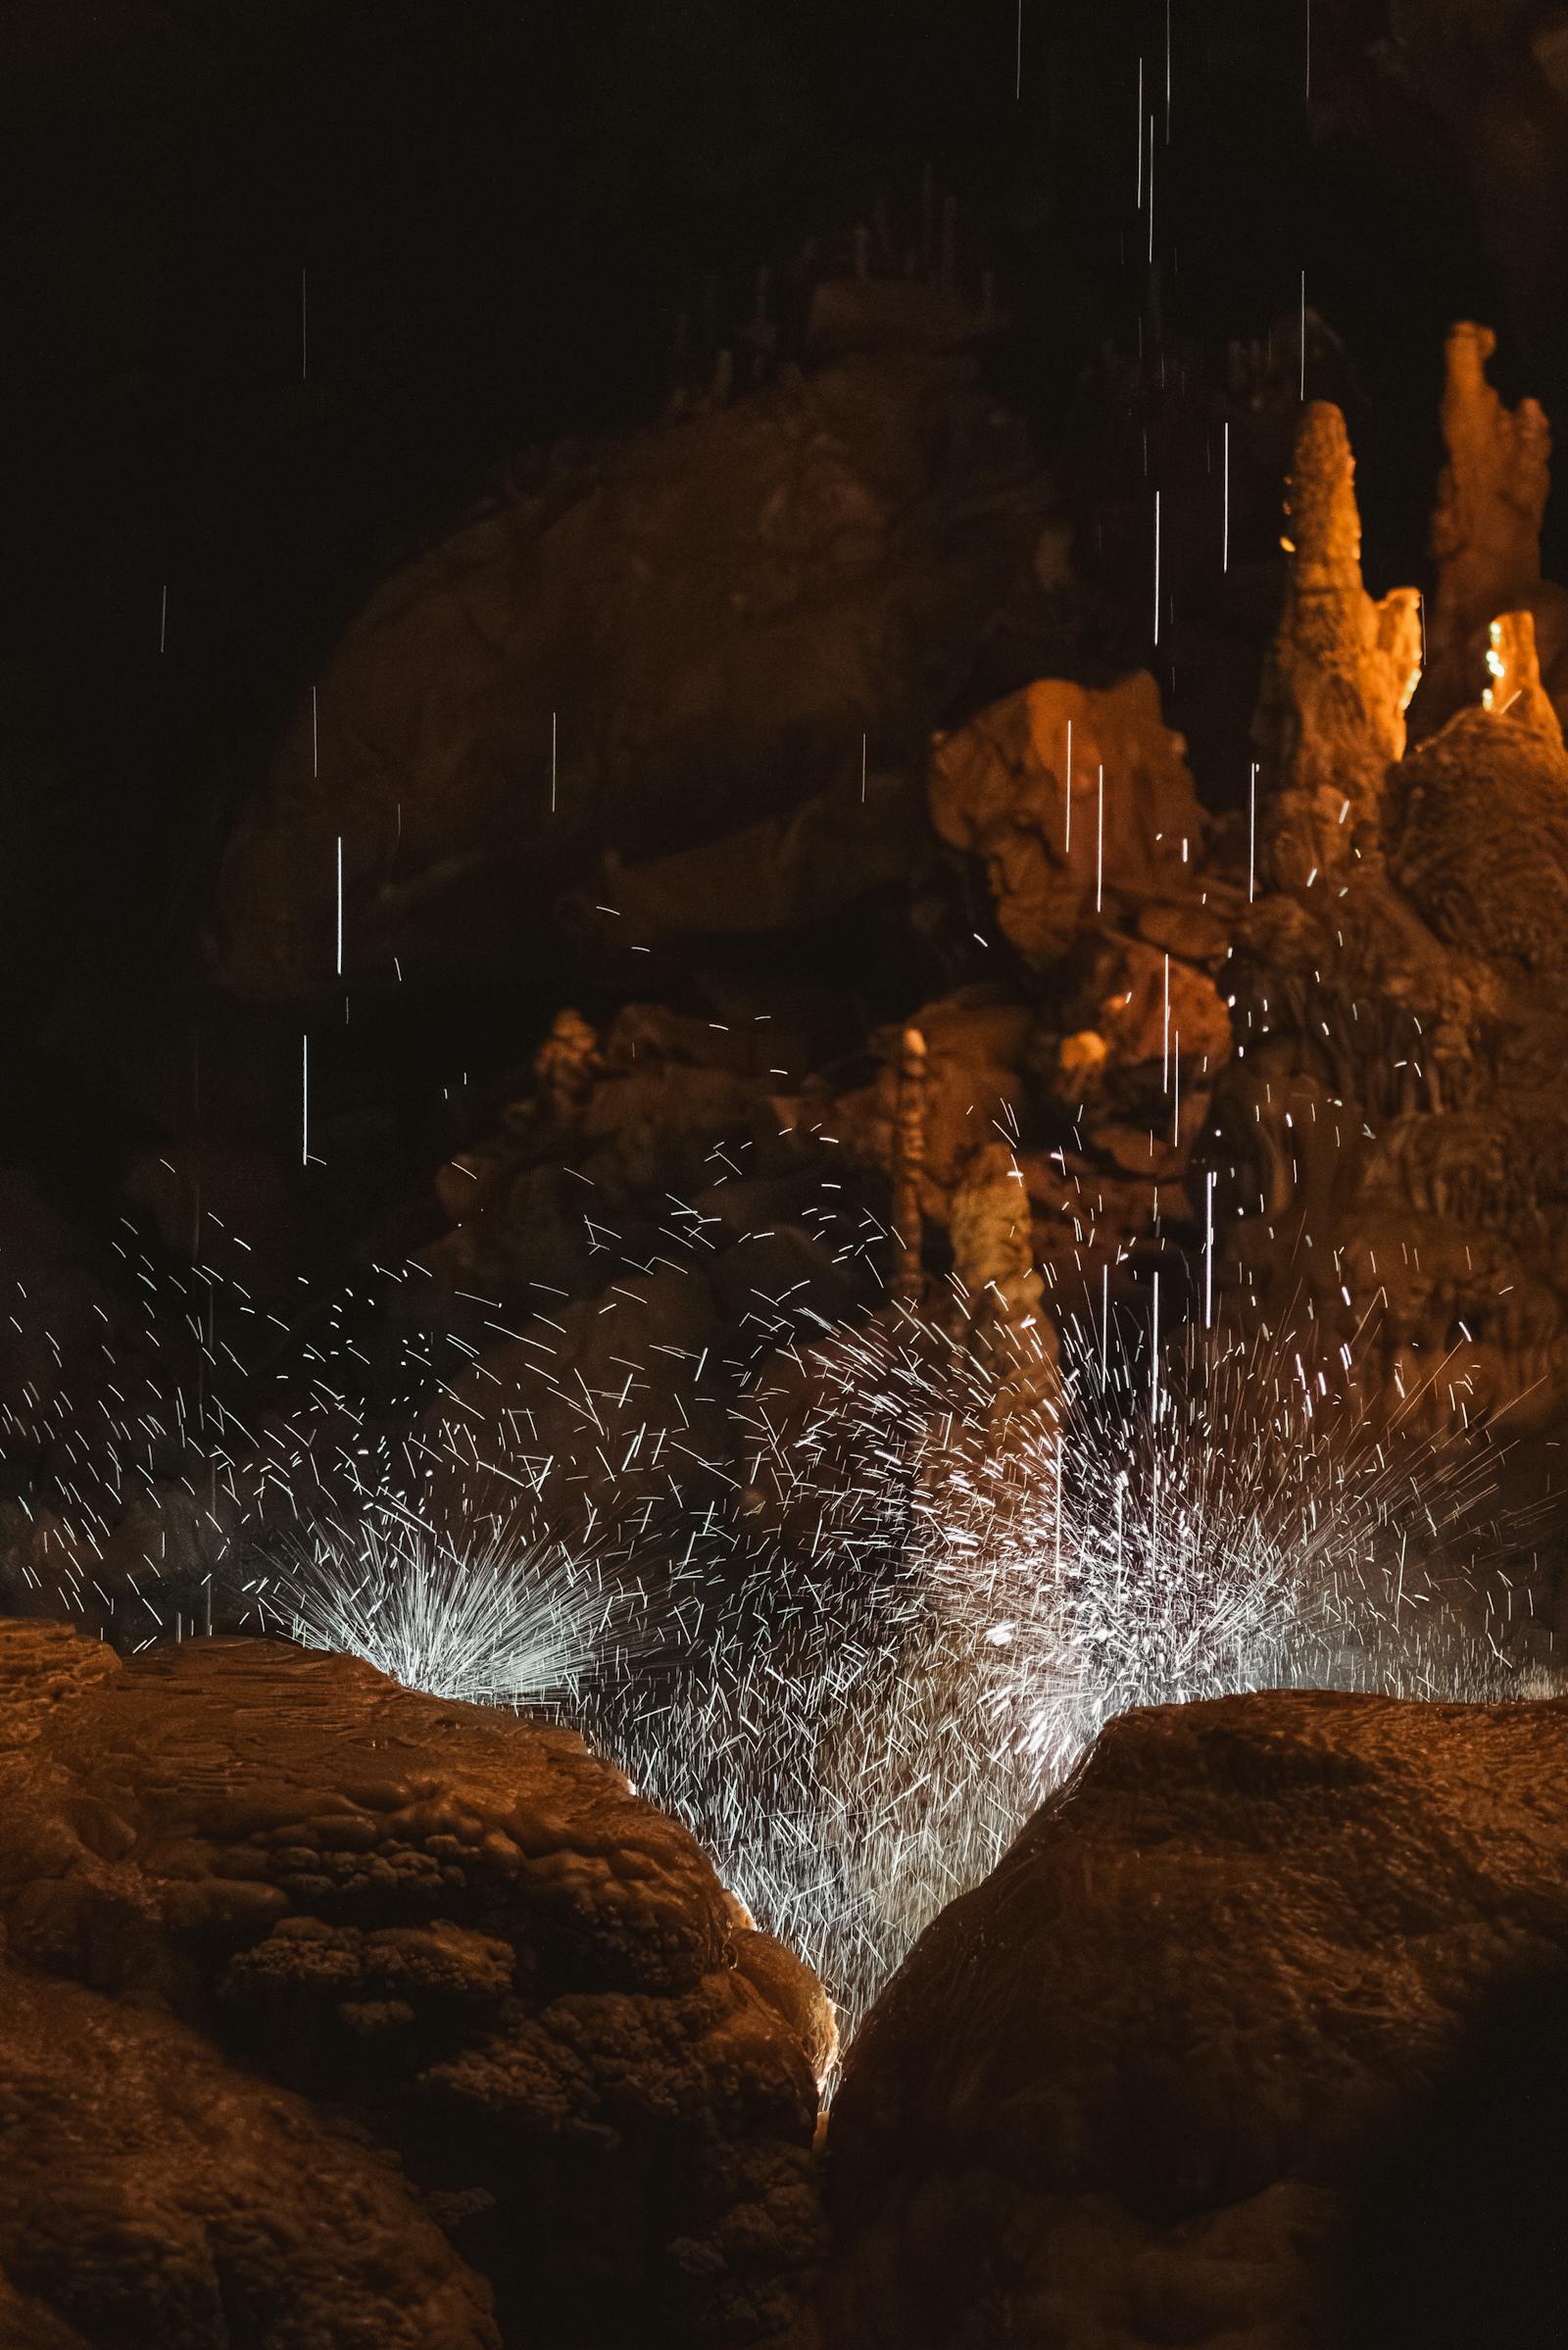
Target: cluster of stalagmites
{"points": [[1355, 1036], [1392, 1129]]}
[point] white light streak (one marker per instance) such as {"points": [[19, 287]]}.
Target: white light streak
{"points": [[1156, 566], [1139, 134]]}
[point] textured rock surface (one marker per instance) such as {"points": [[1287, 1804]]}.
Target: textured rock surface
{"points": [[1331, 718], [782, 875], [152, 2194], [1116, 2095], [226, 1865], [1486, 526], [1392, 1154], [1346, 1043], [816, 565], [1479, 836], [1055, 847]]}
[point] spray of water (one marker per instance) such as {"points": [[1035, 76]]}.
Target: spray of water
{"points": [[858, 1608], [507, 1619], [956, 1574]]}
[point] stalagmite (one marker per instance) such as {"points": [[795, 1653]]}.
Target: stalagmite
{"points": [[1339, 678], [1486, 529], [909, 1166], [993, 1258], [1515, 689]]}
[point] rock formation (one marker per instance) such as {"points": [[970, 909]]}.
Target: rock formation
{"points": [[1486, 529], [992, 1226], [331, 2010], [154, 2193], [1480, 840], [1076, 801], [1388, 1123], [1122, 2092], [908, 1155], [782, 875], [808, 572], [1339, 678], [1341, 1034]]}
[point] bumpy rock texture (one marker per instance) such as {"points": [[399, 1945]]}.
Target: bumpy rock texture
{"points": [[1118, 2094], [333, 2015]]}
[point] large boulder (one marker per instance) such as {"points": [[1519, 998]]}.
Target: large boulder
{"points": [[656, 644], [392, 2002], [1121, 2093]]}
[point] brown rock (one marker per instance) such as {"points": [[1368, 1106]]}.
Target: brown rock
{"points": [[1117, 2093], [1486, 527], [1339, 676], [975, 1047], [458, 1928], [784, 875], [998, 790], [1138, 1151], [992, 1232], [1198, 934], [782, 580], [1391, 1127], [1481, 837], [1152, 1006], [152, 2194]]}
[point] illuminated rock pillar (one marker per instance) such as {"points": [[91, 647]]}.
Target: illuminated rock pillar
{"points": [[1486, 527], [908, 1168], [1338, 680]]}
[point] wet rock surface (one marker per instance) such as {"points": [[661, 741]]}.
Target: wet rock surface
{"points": [[415, 2007], [1124, 2093]]}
